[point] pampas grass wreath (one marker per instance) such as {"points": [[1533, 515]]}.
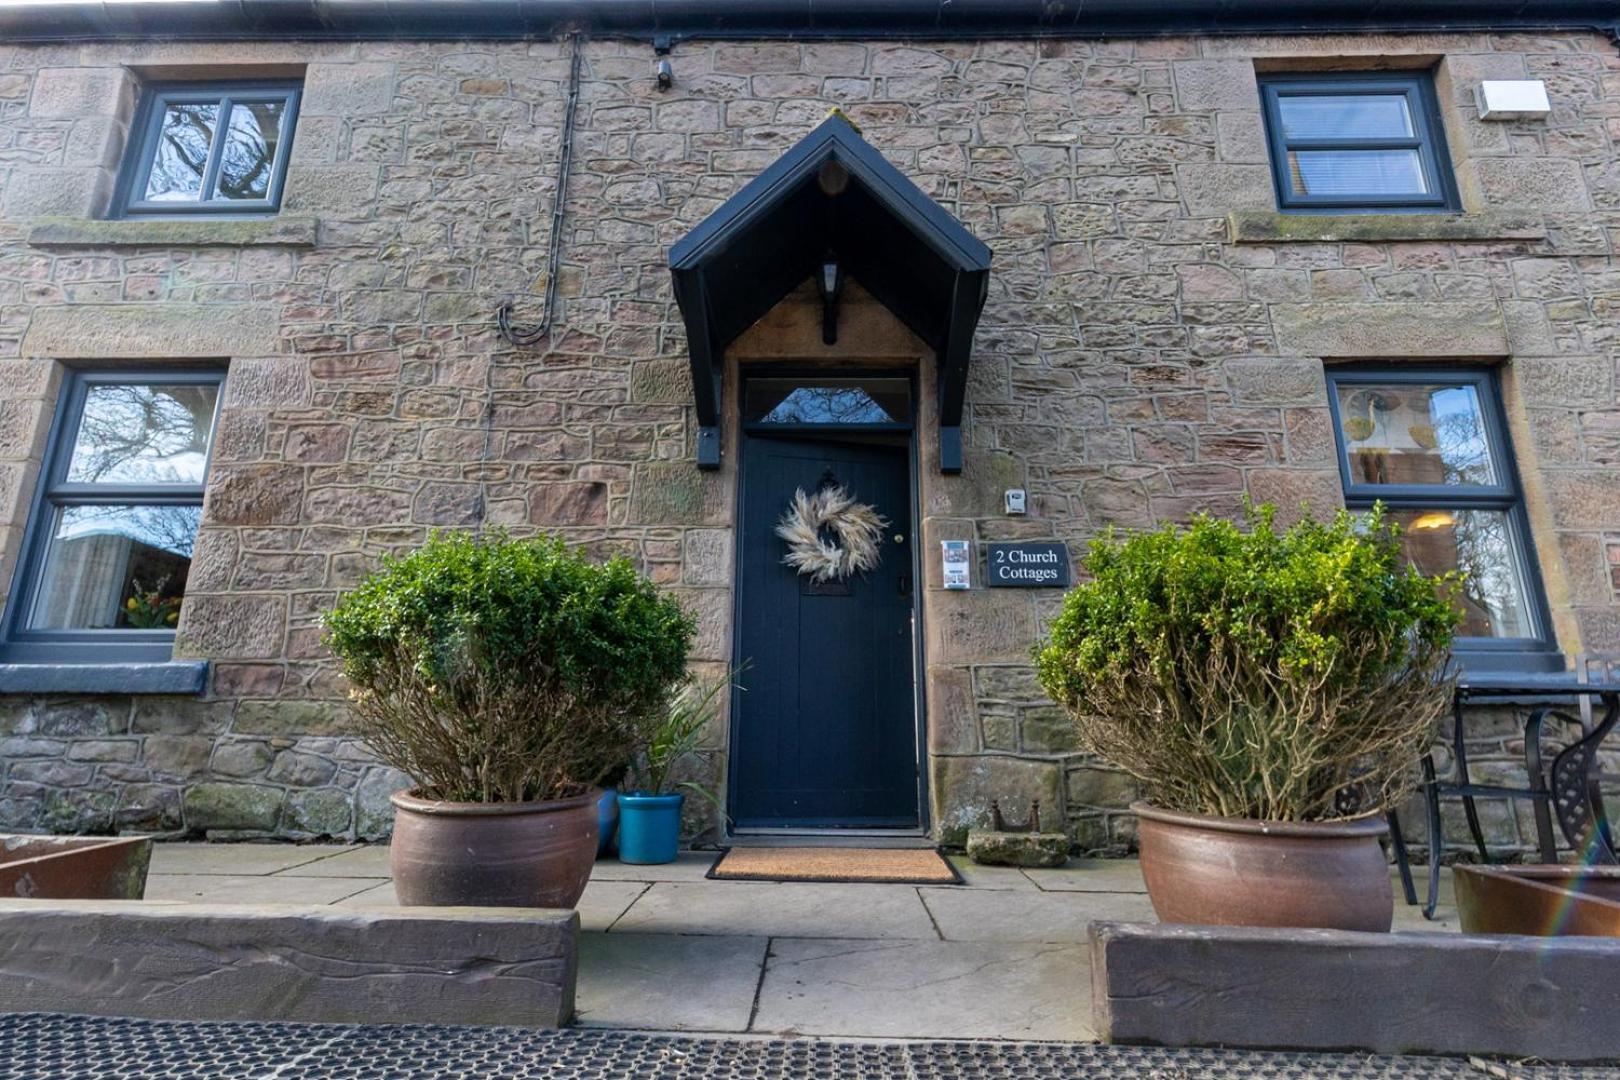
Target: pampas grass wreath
{"points": [[857, 527]]}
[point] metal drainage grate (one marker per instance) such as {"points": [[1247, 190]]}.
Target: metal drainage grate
{"points": [[38, 1046]]}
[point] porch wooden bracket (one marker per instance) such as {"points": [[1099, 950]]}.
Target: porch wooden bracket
{"points": [[832, 192]]}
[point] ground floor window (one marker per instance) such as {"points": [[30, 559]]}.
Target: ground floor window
{"points": [[1432, 445], [104, 568]]}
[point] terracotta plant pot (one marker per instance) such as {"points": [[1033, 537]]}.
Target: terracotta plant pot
{"points": [[1238, 872], [535, 854], [1542, 899]]}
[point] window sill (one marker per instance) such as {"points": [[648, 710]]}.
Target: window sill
{"points": [[268, 231], [173, 677], [1266, 227]]}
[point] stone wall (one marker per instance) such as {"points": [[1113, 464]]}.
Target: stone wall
{"points": [[1144, 354]]}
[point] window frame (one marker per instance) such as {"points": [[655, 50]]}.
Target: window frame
{"points": [[1522, 654], [1428, 139], [136, 168], [18, 642]]}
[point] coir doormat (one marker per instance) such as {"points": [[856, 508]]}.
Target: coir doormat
{"points": [[892, 866]]}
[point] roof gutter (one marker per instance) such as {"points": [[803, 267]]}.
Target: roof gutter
{"points": [[236, 20]]}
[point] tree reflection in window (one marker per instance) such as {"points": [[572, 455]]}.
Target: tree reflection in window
{"points": [[250, 150], [212, 150], [184, 139], [143, 433], [827, 401]]}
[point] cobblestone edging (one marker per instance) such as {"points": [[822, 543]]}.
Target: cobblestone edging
{"points": [[81, 1048]]}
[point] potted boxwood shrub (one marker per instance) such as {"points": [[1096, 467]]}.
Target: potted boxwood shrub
{"points": [[1272, 692], [507, 678], [650, 813]]}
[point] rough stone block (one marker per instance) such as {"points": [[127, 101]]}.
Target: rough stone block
{"points": [[1584, 382], [1276, 381], [676, 493], [232, 806], [69, 93], [1210, 85], [964, 786], [988, 848], [268, 383], [247, 627], [1518, 997], [1217, 190], [170, 329], [255, 495], [509, 966], [1533, 183], [326, 189], [1390, 330], [348, 89], [35, 193]]}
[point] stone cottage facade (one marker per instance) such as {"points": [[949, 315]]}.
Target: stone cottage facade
{"points": [[1157, 339]]}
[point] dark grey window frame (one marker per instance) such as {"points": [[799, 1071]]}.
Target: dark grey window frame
{"points": [[140, 153], [1429, 140], [22, 645], [1531, 654]]}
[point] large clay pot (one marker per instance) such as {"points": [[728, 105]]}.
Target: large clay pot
{"points": [[1238, 872], [535, 854]]}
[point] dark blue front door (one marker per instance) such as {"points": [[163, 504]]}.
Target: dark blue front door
{"points": [[826, 729]]}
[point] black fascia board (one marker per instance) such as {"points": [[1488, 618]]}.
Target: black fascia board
{"points": [[834, 137], [740, 19]]}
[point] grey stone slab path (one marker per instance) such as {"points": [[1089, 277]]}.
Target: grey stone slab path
{"points": [[663, 948]]}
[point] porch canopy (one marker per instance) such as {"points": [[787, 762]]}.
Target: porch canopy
{"points": [[830, 195]]}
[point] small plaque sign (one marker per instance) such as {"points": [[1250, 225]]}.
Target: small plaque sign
{"points": [[1027, 565], [954, 565]]}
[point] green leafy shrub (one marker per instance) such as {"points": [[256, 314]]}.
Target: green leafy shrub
{"points": [[1284, 676], [500, 670]]}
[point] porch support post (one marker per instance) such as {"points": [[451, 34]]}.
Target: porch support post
{"points": [[966, 301], [707, 372]]}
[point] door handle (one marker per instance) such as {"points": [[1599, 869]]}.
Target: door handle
{"points": [[905, 584]]}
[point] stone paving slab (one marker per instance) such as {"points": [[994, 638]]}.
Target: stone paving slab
{"points": [[599, 908], [688, 866], [90, 1048], [926, 989], [984, 915], [1091, 875], [239, 859], [258, 889], [369, 860], [668, 982], [975, 876], [768, 909]]}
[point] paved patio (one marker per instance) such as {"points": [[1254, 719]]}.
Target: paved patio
{"points": [[1002, 957]]}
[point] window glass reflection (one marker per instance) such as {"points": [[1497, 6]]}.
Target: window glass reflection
{"points": [[184, 137], [1345, 116], [1356, 172], [827, 401], [1480, 543], [245, 163], [1415, 434], [140, 433], [115, 567]]}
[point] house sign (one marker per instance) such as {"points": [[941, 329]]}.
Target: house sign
{"points": [[1026, 566]]}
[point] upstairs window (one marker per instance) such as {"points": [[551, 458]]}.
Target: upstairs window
{"points": [[104, 569], [208, 149], [1432, 446], [1359, 142]]}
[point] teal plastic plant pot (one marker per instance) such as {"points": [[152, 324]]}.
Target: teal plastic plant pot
{"points": [[649, 828], [607, 820]]}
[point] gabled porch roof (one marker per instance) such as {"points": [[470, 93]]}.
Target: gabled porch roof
{"points": [[831, 194]]}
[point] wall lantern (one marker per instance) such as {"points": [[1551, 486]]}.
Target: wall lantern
{"points": [[831, 282]]}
